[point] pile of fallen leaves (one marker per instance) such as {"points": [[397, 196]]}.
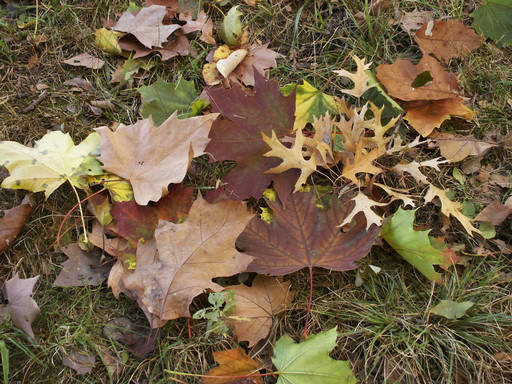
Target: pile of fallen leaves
{"points": [[323, 170]]}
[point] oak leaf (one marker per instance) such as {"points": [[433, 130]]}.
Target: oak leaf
{"points": [[235, 367], [239, 136], [147, 25], [152, 157], [413, 168], [447, 39], [363, 163], [364, 204], [398, 78], [184, 259], [21, 306], [292, 157], [13, 221], [360, 78], [455, 148], [257, 305], [303, 235]]}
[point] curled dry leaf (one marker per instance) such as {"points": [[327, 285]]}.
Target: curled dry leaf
{"points": [[85, 60], [455, 148], [13, 221]]}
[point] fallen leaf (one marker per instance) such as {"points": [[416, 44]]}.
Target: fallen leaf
{"points": [[257, 306], [202, 23], [158, 156], [147, 25], [495, 213], [85, 60], [309, 361], [227, 65], [80, 362], [53, 161], [231, 28], [107, 41], [21, 306], [363, 163], [303, 235], [413, 168], [455, 148], [493, 19], [82, 268], [448, 38], [398, 78], [360, 78], [189, 256], [235, 367], [415, 246], [239, 136], [259, 59], [13, 221], [451, 309], [364, 204], [412, 21]]}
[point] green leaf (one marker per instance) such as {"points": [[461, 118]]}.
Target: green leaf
{"points": [[309, 103], [494, 20], [309, 361], [231, 28], [415, 246], [162, 99], [132, 7], [451, 309], [380, 98]]}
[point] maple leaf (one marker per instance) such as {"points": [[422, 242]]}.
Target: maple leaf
{"points": [[450, 208], [455, 148], [446, 39], [202, 23], [309, 361], [81, 268], [416, 247], [151, 158], [398, 78], [257, 305], [364, 204], [147, 25], [21, 306], [362, 164], [303, 235], [53, 161], [311, 103], [239, 137], [13, 221], [259, 59], [189, 256], [236, 367], [292, 157], [360, 78], [492, 19], [426, 115]]}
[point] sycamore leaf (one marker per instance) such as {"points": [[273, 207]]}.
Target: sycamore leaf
{"points": [[398, 78], [364, 204], [81, 268], [162, 99], [235, 363], [239, 136], [156, 157], [360, 78], [13, 221], [303, 235], [447, 39], [53, 161], [147, 25], [362, 164], [455, 148], [450, 208], [451, 309], [292, 157], [414, 246], [310, 103], [257, 305], [309, 361], [21, 306], [426, 115], [494, 20], [184, 259]]}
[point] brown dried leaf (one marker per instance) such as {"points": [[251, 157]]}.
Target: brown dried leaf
{"points": [[455, 148], [85, 60], [13, 221], [202, 23], [235, 363], [362, 164], [80, 362], [412, 21], [495, 213]]}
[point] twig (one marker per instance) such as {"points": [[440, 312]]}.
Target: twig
{"points": [[33, 104]]}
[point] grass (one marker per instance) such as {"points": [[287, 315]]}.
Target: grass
{"points": [[385, 328]]}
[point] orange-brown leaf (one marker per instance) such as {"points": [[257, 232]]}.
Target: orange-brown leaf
{"points": [[13, 221], [235, 368]]}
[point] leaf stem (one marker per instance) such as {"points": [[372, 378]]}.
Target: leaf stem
{"points": [[82, 218], [309, 301]]}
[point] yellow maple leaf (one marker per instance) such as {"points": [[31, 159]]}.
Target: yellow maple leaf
{"points": [[360, 78], [292, 157]]}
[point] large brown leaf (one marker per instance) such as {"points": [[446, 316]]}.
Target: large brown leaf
{"points": [[186, 257], [303, 235], [154, 157], [257, 305], [398, 78], [238, 137], [13, 221]]}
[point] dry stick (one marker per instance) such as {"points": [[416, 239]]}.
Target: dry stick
{"points": [[33, 104], [309, 301]]}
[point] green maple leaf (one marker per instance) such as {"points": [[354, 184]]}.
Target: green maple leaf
{"points": [[162, 99], [309, 103], [51, 162], [494, 20], [416, 247], [309, 361]]}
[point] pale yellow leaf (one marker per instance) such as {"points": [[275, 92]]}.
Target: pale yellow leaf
{"points": [[360, 78], [364, 204]]}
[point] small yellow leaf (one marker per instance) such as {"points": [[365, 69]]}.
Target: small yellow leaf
{"points": [[107, 40]]}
